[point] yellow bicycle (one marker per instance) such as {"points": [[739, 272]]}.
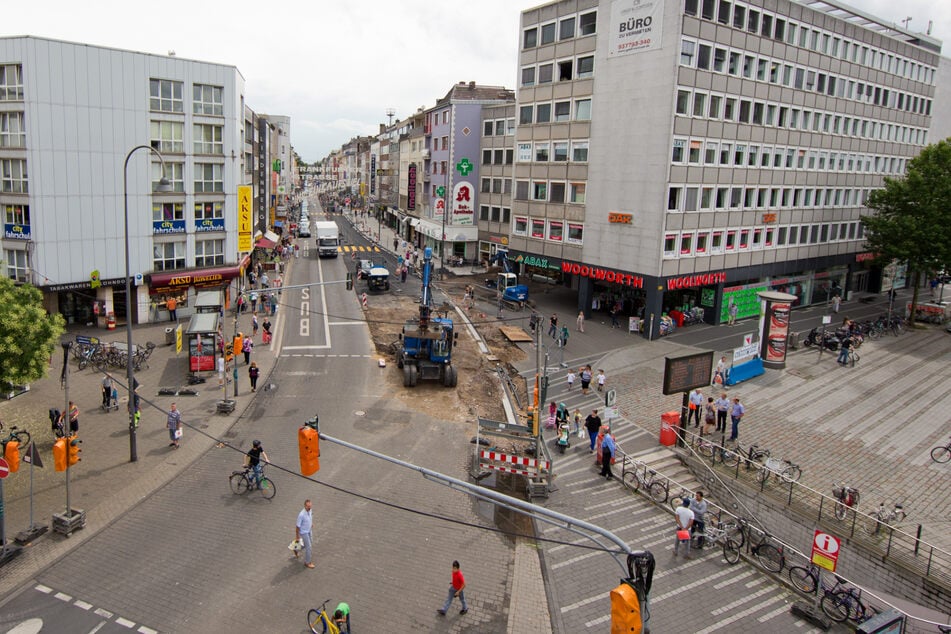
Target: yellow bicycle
{"points": [[320, 622]]}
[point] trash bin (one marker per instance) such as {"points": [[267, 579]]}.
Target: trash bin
{"points": [[169, 336], [110, 320], [669, 422], [792, 341]]}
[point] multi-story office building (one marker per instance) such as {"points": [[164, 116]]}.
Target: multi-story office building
{"points": [[681, 156], [495, 179], [70, 114]]}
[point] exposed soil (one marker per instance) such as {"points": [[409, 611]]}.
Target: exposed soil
{"points": [[478, 391]]}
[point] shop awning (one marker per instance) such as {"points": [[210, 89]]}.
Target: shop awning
{"points": [[414, 222], [199, 278], [264, 243]]}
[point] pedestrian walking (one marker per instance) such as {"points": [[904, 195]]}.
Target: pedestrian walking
{"points": [[684, 523], [553, 325], [709, 416], [732, 311], [723, 407], [246, 346], [571, 378], [836, 302], [576, 423], [608, 449], [107, 390], [579, 322], [585, 379], [736, 414], [254, 301], [601, 380], [73, 416], [174, 423], [563, 338], [501, 305], [533, 322], [254, 324], [296, 250], [694, 406], [253, 373], [699, 507], [303, 532], [593, 424], [403, 271], [265, 282], [266, 336], [719, 375], [273, 300], [615, 312], [457, 588], [171, 304], [396, 243]]}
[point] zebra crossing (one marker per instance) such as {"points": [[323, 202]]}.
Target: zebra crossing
{"points": [[739, 598], [353, 248]]}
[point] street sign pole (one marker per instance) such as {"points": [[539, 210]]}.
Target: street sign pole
{"points": [[25, 537]]}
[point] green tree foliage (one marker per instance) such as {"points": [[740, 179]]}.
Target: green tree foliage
{"points": [[28, 335], [913, 216]]}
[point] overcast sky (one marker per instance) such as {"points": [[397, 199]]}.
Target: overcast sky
{"points": [[336, 66]]}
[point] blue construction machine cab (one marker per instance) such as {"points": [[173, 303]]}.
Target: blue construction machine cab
{"points": [[425, 346], [507, 281]]}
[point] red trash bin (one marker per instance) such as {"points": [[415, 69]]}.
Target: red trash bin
{"points": [[669, 422]]}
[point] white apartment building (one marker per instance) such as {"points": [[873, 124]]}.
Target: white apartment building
{"points": [[678, 157], [70, 114]]}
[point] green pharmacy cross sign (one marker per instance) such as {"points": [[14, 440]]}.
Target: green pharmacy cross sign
{"points": [[440, 191], [464, 166]]}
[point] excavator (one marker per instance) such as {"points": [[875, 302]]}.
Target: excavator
{"points": [[507, 281]]}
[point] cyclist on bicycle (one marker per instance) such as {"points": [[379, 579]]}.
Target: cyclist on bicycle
{"points": [[253, 460]]}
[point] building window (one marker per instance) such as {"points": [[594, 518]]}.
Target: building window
{"points": [[174, 172], [209, 252], [686, 244], [560, 151], [526, 114], [162, 212], [670, 245], [540, 190], [541, 152], [548, 33], [209, 211], [579, 151], [566, 28], [524, 152], [18, 268], [13, 176], [209, 177], [530, 38], [587, 23], [556, 230], [576, 193], [165, 95], [484, 213], [510, 126], [208, 100], [168, 256], [583, 110], [496, 214], [487, 128], [562, 110], [167, 136], [496, 185], [521, 190], [585, 67], [520, 226], [208, 139], [575, 233], [486, 185], [12, 132], [538, 229], [17, 215], [687, 51], [506, 213], [11, 82], [702, 239], [556, 193], [486, 157], [545, 72], [528, 76], [543, 113], [716, 242], [566, 70], [509, 156], [500, 127]]}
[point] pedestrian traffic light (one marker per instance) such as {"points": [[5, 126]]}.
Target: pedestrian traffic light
{"points": [[11, 453], [308, 442], [59, 454], [74, 449]]}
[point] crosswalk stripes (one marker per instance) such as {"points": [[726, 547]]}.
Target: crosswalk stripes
{"points": [[353, 248]]}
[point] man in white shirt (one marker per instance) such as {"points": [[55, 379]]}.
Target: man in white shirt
{"points": [[696, 405], [303, 529], [684, 522]]}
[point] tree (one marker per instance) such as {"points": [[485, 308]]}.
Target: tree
{"points": [[28, 335], [913, 214]]}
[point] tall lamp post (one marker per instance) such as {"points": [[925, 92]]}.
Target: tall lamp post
{"points": [[163, 186]]}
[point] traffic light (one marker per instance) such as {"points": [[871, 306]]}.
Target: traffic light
{"points": [[74, 449], [59, 454], [11, 453], [308, 442]]}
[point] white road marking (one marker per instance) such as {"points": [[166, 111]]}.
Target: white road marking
{"points": [[43, 589], [125, 622], [82, 604], [62, 596]]}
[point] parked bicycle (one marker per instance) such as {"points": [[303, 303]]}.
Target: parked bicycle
{"points": [[321, 622], [754, 456], [883, 518], [716, 534], [846, 498], [244, 480], [22, 436], [941, 453], [784, 469], [640, 476], [769, 556], [839, 601]]}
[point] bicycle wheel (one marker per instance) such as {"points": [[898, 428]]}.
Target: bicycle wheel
{"points": [[802, 579], [239, 484], [705, 448], [731, 551], [791, 473], [730, 457], [762, 475], [841, 510], [874, 334], [769, 557], [734, 532], [23, 437], [631, 480], [941, 454], [658, 492], [267, 488], [316, 621], [676, 502], [756, 535], [836, 605], [872, 525]]}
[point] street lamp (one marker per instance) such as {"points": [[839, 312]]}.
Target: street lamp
{"points": [[163, 186]]}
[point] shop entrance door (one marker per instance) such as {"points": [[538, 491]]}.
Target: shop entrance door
{"points": [[860, 282]]}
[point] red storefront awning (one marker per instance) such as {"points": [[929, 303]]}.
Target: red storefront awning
{"points": [[199, 278], [264, 243]]}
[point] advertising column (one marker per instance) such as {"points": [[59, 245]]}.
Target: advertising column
{"points": [[774, 327]]}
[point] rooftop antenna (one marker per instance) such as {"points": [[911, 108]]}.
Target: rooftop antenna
{"points": [[171, 53], [906, 21], [930, 25], [389, 113]]}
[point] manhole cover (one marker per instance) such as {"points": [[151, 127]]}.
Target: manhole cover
{"points": [[360, 412]]}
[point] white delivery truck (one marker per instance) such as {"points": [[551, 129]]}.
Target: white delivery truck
{"points": [[328, 238]]}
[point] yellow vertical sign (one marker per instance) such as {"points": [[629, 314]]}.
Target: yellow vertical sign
{"points": [[245, 219]]}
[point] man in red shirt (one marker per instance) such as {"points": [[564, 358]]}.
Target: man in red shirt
{"points": [[456, 590]]}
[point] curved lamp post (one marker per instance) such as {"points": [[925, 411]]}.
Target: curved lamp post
{"points": [[164, 186]]}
